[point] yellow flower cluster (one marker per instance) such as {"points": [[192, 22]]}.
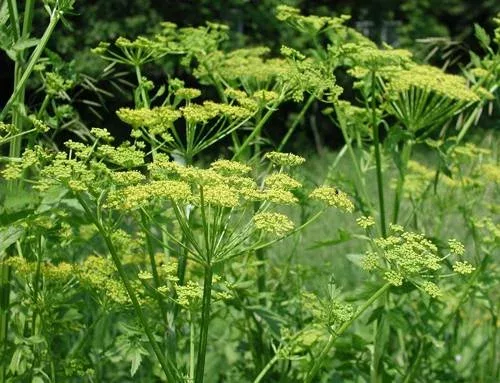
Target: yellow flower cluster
{"points": [[311, 76], [55, 84], [125, 155], [432, 289], [309, 24], [6, 128], [187, 93], [189, 295], [456, 247], [59, 273], [157, 120], [101, 134], [281, 181], [329, 312], [39, 126], [132, 197], [97, 274], [228, 168], [243, 67], [333, 197], [367, 57], [196, 113], [274, 223], [284, 159], [225, 184], [463, 267], [410, 253], [365, 222], [430, 78]]}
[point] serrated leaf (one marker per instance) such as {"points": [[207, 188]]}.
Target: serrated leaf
{"points": [[343, 236], [8, 236], [273, 320], [136, 359], [482, 36], [475, 59], [4, 13], [52, 197], [19, 200], [23, 44], [159, 92], [355, 258]]}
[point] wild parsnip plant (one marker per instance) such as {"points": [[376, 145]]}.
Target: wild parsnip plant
{"points": [[151, 260]]}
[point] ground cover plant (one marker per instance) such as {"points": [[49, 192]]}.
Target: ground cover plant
{"points": [[197, 250]]}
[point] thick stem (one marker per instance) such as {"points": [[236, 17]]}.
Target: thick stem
{"points": [[152, 262], [360, 179], [56, 15], [405, 158], [5, 274], [192, 346], [255, 132], [205, 320], [323, 354], [130, 291], [266, 368], [413, 369], [378, 158], [295, 123]]}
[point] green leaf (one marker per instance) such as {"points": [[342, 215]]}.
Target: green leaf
{"points": [[136, 359], [23, 44], [4, 14], [273, 320], [343, 236], [482, 36], [52, 197], [355, 258], [17, 200], [8, 236]]}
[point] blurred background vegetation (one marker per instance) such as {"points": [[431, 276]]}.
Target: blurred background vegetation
{"points": [[440, 32]]}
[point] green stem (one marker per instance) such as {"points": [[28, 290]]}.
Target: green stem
{"points": [[28, 17], [360, 180], [144, 97], [191, 347], [295, 123], [130, 291], [413, 369], [5, 274], [43, 107], [19, 88], [256, 131], [323, 354], [205, 319], [266, 368], [405, 158], [36, 286], [152, 262], [378, 158]]}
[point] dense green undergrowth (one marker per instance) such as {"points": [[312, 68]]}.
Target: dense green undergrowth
{"points": [[150, 260]]}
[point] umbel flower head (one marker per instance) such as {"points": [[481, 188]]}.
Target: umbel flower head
{"points": [[432, 79], [411, 257], [133, 53], [366, 57], [158, 120], [333, 197], [275, 223], [312, 24]]}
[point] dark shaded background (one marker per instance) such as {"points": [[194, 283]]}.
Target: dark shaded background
{"points": [[400, 23]]}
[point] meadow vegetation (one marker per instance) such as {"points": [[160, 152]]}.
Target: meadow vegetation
{"points": [[198, 250]]}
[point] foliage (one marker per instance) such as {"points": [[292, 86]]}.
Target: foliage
{"points": [[146, 260]]}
